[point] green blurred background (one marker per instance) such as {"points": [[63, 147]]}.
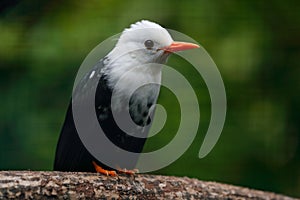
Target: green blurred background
{"points": [[255, 44]]}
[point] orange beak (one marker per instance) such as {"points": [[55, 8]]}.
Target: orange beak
{"points": [[179, 46]]}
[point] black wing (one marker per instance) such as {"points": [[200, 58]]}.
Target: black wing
{"points": [[71, 154]]}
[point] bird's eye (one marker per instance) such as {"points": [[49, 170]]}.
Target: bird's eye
{"points": [[149, 44]]}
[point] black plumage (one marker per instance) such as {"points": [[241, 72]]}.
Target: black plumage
{"points": [[71, 154]]}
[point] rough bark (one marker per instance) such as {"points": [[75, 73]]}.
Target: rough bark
{"points": [[62, 185]]}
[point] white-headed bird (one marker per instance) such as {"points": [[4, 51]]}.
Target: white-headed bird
{"points": [[143, 43]]}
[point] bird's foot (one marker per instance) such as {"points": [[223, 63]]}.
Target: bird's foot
{"points": [[103, 171], [112, 172], [128, 172]]}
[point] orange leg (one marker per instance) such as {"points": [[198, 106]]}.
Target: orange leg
{"points": [[103, 171]]}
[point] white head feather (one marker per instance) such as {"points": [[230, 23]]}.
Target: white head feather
{"points": [[130, 58], [131, 44]]}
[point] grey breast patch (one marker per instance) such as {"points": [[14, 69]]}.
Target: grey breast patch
{"points": [[140, 104]]}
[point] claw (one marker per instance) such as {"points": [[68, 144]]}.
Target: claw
{"points": [[112, 172], [128, 172], [103, 171]]}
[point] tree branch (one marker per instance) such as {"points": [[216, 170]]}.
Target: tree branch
{"points": [[68, 185]]}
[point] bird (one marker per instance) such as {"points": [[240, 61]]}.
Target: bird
{"points": [[139, 45]]}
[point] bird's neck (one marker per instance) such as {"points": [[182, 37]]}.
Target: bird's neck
{"points": [[125, 76], [129, 69]]}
